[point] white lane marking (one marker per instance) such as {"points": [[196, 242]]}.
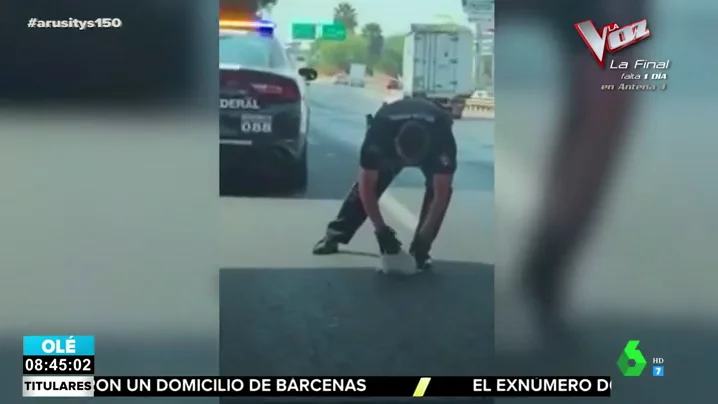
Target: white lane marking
{"points": [[518, 190], [399, 211]]}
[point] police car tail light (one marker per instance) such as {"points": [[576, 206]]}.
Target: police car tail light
{"points": [[268, 89], [284, 90]]}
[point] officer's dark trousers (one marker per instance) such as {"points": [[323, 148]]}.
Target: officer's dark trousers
{"points": [[352, 214]]}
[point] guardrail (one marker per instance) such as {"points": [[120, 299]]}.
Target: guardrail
{"points": [[480, 105]]}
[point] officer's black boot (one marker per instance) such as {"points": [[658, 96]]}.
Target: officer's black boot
{"points": [[326, 246]]}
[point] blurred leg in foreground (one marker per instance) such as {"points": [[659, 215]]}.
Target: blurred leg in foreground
{"points": [[591, 133]]}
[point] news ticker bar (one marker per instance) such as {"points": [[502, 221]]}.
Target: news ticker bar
{"points": [[208, 386]]}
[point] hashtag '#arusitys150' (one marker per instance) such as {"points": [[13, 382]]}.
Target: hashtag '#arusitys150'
{"points": [[74, 23]]}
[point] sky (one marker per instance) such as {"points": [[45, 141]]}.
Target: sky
{"points": [[394, 16]]}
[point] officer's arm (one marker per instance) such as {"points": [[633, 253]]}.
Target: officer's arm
{"points": [[443, 168], [370, 159]]}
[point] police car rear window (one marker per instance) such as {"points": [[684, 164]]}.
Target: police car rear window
{"points": [[252, 50], [246, 49]]}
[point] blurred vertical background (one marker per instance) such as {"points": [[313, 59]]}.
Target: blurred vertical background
{"points": [[647, 269], [108, 166]]}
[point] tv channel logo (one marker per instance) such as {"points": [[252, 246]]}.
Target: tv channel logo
{"points": [[58, 345], [632, 362]]}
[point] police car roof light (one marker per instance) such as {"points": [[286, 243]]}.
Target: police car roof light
{"points": [[247, 25]]}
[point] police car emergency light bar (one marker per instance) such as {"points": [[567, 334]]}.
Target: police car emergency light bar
{"points": [[261, 26]]}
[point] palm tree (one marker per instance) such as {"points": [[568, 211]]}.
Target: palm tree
{"points": [[371, 30], [346, 14], [375, 42], [266, 3]]}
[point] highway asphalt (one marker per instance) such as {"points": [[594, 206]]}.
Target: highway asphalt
{"points": [[284, 311]]}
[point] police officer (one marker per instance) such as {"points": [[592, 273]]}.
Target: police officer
{"points": [[412, 132]]}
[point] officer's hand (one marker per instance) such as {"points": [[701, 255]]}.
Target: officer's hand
{"points": [[420, 247], [388, 243]]}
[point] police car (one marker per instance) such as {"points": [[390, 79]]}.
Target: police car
{"points": [[264, 115]]}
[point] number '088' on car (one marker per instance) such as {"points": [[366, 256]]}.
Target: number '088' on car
{"points": [[263, 112]]}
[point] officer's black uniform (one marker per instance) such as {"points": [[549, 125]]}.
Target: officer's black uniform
{"points": [[378, 152]]}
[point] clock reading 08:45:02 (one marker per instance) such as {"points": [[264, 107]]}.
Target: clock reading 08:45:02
{"points": [[58, 365]]}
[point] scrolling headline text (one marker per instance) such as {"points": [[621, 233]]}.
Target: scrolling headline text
{"points": [[209, 386]]}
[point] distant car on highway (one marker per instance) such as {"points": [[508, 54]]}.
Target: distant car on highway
{"points": [[264, 114], [341, 79]]}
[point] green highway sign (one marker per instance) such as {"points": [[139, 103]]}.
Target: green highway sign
{"points": [[334, 32], [304, 32]]}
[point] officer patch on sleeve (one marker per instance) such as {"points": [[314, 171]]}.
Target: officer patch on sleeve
{"points": [[445, 160]]}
